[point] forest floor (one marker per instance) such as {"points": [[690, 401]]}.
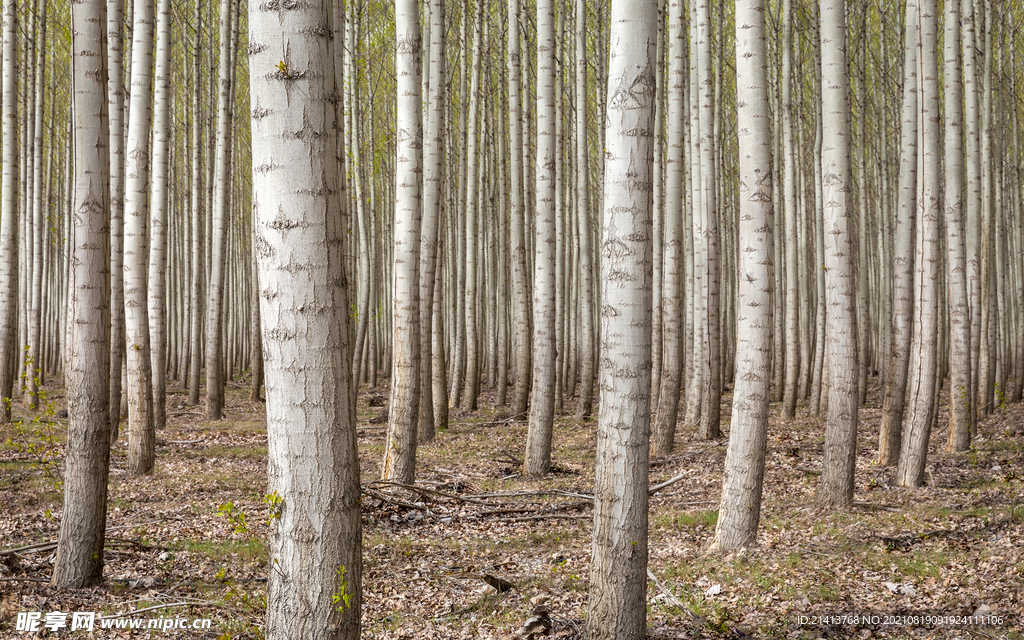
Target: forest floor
{"points": [[190, 538]]}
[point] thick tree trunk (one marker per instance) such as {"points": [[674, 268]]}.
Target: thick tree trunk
{"points": [[79, 559], [314, 582], [618, 568], [740, 508]]}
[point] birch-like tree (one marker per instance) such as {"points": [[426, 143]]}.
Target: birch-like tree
{"points": [[403, 418], [79, 558], [740, 508], [9, 212], [315, 543], [960, 396], [890, 434], [673, 270], [921, 403], [141, 425], [838, 467], [618, 568], [542, 397]]}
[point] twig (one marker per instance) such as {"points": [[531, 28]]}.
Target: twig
{"points": [[671, 597], [36, 548], [545, 516], [184, 441], [187, 413], [668, 483], [155, 607], [23, 580]]}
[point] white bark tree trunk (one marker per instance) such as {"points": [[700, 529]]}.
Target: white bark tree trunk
{"points": [[959, 438], [542, 396], [9, 212], [313, 589], [141, 425], [517, 214], [673, 273], [79, 560], [158, 203], [586, 395], [115, 113], [215, 314], [917, 423], [890, 434], [403, 417], [740, 508], [838, 467], [618, 568]]}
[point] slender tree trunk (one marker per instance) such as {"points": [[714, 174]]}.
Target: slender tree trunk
{"points": [[159, 215], [587, 368], [34, 365], [972, 159], [789, 213], [198, 219], [924, 350], [673, 272], [79, 558], [956, 267], [542, 401], [518, 215], [9, 212], [618, 569], [400, 453], [116, 113], [215, 314], [744, 463], [142, 432], [473, 210], [838, 467], [433, 154], [889, 439]]}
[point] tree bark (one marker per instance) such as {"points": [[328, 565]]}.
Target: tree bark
{"points": [[890, 435], [9, 212], [542, 397], [618, 569], [142, 432], [740, 508], [400, 448], [313, 590], [838, 467], [79, 558]]}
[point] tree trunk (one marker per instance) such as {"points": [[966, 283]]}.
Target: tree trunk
{"points": [[518, 215], [403, 418], [890, 435], [673, 272], [789, 214], [956, 267], [159, 215], [115, 96], [740, 508], [838, 467], [215, 310], [9, 212], [924, 350], [79, 558], [618, 569], [314, 582], [542, 397], [142, 432], [586, 400]]}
